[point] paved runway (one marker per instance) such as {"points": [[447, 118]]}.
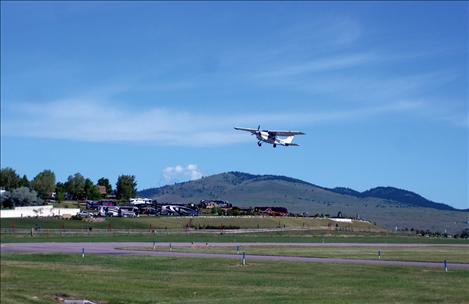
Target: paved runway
{"points": [[112, 248]]}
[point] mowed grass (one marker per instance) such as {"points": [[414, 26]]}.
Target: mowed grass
{"points": [[421, 254], [38, 278], [259, 237]]}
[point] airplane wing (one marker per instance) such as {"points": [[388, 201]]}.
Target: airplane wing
{"points": [[253, 131], [285, 133]]}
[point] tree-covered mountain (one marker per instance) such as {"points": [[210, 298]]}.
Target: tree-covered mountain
{"points": [[346, 191], [387, 206], [395, 194]]}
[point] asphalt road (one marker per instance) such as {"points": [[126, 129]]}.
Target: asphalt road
{"points": [[113, 249]]}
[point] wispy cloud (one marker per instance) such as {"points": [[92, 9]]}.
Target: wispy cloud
{"points": [[452, 112], [181, 173], [323, 59], [294, 42], [316, 57], [327, 33], [85, 120], [352, 87], [319, 65]]}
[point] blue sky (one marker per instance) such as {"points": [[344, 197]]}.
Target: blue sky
{"points": [[154, 89]]}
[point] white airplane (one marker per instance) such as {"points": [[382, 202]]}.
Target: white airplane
{"points": [[271, 137]]}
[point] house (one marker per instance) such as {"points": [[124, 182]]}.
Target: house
{"points": [[102, 190]]}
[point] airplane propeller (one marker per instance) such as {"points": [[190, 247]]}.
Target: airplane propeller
{"points": [[258, 128]]}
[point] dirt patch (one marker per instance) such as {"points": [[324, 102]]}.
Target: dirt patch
{"points": [[94, 219], [61, 298]]}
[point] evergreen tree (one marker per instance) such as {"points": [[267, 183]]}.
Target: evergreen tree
{"points": [[24, 182], [9, 180]]}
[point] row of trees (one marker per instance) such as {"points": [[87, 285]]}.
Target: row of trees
{"points": [[464, 234], [77, 187], [42, 185]]}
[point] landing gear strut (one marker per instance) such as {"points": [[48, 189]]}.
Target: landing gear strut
{"points": [[259, 143]]}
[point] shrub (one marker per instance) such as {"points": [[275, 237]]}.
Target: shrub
{"points": [[22, 196]]}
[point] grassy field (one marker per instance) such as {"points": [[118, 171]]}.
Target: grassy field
{"points": [[281, 236], [145, 222], [423, 254], [28, 278]]}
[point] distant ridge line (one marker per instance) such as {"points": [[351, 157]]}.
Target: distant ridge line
{"points": [[234, 178]]}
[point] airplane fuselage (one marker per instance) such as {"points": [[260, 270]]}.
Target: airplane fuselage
{"points": [[263, 136]]}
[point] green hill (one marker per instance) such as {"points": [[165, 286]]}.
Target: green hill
{"points": [[388, 207]]}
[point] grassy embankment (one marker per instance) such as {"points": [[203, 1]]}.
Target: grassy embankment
{"points": [[184, 222], [28, 278]]}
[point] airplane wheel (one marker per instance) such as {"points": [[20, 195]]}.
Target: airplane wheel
{"points": [[259, 144], [275, 146]]}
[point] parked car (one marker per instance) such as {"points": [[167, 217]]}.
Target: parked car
{"points": [[85, 214], [127, 213], [112, 211]]}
